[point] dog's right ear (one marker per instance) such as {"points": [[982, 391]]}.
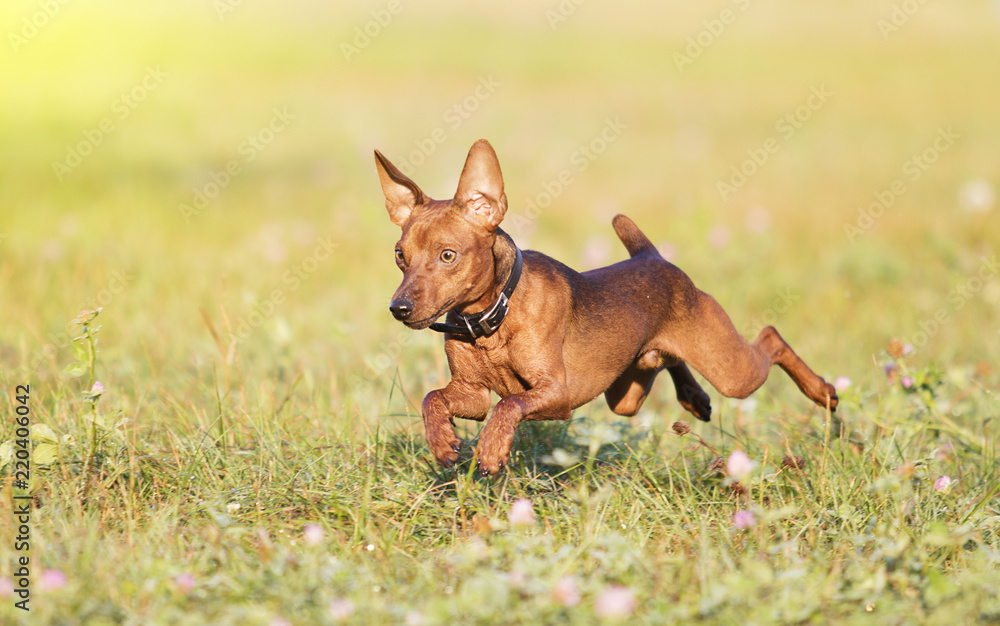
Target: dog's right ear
{"points": [[402, 195], [480, 187]]}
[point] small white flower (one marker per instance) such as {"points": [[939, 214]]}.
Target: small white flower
{"points": [[341, 609], [757, 220], [516, 578], [414, 618], [522, 513], [739, 465], [596, 251], [615, 602], [566, 592], [976, 195], [313, 534], [718, 237], [667, 250], [843, 383]]}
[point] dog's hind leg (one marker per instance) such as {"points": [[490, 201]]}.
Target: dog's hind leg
{"points": [[626, 395], [770, 343], [710, 344], [690, 394]]}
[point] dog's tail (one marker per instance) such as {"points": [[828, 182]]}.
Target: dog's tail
{"points": [[635, 242]]}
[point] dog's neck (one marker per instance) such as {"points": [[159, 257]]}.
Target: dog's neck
{"points": [[504, 253]]}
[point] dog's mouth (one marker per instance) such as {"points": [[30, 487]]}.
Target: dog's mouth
{"points": [[427, 321]]}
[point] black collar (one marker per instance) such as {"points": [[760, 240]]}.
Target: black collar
{"points": [[486, 323]]}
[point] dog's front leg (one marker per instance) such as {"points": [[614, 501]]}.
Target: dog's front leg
{"points": [[547, 401], [458, 399]]}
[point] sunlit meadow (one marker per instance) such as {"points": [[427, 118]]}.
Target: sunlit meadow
{"points": [[195, 267]]}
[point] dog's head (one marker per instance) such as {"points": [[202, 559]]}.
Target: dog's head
{"points": [[446, 250]]}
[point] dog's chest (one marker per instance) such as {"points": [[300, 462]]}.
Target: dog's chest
{"points": [[489, 365]]}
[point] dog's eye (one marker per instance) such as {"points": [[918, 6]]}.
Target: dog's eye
{"points": [[400, 258], [449, 256]]}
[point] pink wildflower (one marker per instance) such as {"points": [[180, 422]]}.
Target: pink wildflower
{"points": [[743, 520], [184, 582], [52, 579], [739, 465], [522, 513], [942, 484], [566, 592], [615, 602]]}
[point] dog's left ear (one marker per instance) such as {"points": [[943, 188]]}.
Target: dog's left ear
{"points": [[402, 196], [480, 189]]}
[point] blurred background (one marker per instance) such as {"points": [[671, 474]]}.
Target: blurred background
{"points": [[204, 172]]}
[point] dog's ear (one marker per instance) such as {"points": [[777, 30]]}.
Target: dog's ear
{"points": [[402, 195], [480, 188]]}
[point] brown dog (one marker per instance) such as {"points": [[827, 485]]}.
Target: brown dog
{"points": [[548, 339]]}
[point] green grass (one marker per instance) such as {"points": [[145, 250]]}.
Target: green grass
{"points": [[182, 496]]}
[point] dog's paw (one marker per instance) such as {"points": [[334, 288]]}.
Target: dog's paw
{"points": [[493, 451], [445, 445], [490, 461], [698, 403], [826, 392], [833, 399]]}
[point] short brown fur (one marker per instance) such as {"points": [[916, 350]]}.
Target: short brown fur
{"points": [[568, 336]]}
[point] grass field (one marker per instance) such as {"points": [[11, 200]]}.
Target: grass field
{"points": [[203, 173]]}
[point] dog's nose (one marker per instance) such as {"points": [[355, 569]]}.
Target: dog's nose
{"points": [[401, 309]]}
